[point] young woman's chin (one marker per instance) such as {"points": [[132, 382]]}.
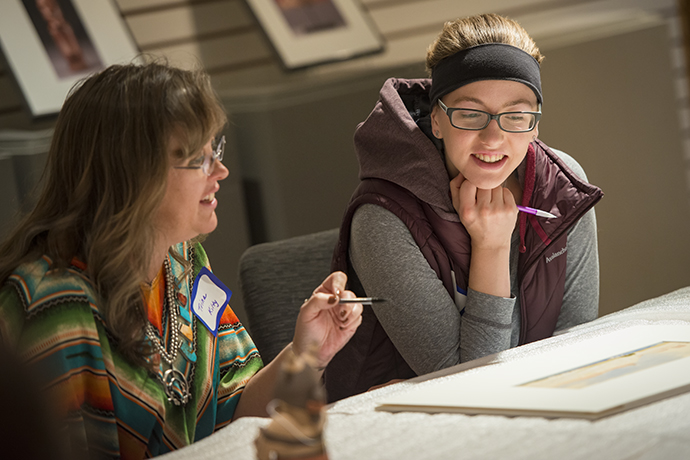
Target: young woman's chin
{"points": [[487, 181]]}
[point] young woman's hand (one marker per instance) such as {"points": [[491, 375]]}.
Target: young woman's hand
{"points": [[488, 215], [324, 323]]}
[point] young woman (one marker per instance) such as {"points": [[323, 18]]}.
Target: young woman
{"points": [[434, 227], [105, 290]]}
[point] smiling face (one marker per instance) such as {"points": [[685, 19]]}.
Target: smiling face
{"points": [[487, 157], [188, 207]]}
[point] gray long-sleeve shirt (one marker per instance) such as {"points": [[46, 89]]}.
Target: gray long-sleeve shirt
{"points": [[423, 321]]}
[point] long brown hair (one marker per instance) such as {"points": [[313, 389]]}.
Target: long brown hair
{"points": [[105, 177], [477, 30]]}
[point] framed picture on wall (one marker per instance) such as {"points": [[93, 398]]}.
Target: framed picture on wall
{"points": [[309, 32], [51, 44]]}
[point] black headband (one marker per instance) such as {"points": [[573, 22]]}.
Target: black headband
{"points": [[490, 61]]}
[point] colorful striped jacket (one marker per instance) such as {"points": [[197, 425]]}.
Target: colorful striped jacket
{"points": [[116, 409]]}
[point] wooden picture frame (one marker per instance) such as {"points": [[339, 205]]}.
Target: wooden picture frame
{"points": [[309, 32], [51, 44]]}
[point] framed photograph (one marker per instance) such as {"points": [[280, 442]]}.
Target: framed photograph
{"points": [[589, 379], [51, 44], [309, 32]]}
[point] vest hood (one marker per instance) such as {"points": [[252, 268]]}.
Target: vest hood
{"points": [[394, 134]]}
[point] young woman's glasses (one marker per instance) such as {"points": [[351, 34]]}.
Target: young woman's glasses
{"points": [[207, 161], [475, 120]]}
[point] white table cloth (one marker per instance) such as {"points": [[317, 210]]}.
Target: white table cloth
{"points": [[355, 430]]}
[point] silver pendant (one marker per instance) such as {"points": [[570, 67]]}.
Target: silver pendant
{"points": [[176, 387]]}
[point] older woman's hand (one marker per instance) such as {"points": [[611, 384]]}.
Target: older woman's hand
{"points": [[324, 323]]}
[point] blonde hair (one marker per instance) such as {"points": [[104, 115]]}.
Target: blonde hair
{"points": [[471, 31], [105, 177]]}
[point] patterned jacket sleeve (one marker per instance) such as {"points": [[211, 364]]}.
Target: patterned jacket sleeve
{"points": [[52, 324]]}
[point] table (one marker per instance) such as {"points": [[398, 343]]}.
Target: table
{"points": [[355, 430]]}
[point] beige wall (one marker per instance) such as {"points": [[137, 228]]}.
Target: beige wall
{"points": [[610, 102], [224, 36]]}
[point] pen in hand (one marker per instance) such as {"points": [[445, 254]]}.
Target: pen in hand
{"points": [[536, 212], [363, 300]]}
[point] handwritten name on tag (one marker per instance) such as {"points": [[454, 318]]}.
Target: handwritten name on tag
{"points": [[209, 299]]}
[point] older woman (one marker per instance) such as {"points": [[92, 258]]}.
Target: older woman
{"points": [[106, 291], [434, 226]]}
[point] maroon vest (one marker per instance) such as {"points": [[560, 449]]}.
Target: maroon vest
{"points": [[370, 358]]}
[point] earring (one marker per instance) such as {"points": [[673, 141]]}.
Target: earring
{"points": [[534, 138], [437, 133]]}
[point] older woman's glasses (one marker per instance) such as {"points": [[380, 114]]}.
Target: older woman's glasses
{"points": [[207, 162], [475, 120]]}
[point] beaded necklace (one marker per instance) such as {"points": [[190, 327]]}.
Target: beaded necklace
{"points": [[175, 383]]}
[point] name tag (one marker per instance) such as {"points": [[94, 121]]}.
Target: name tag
{"points": [[209, 299], [460, 294]]}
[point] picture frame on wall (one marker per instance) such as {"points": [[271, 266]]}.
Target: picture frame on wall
{"points": [[51, 44], [309, 32]]}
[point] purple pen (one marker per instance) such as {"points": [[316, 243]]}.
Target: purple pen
{"points": [[536, 212]]}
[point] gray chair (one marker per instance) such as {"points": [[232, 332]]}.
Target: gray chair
{"points": [[275, 278]]}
